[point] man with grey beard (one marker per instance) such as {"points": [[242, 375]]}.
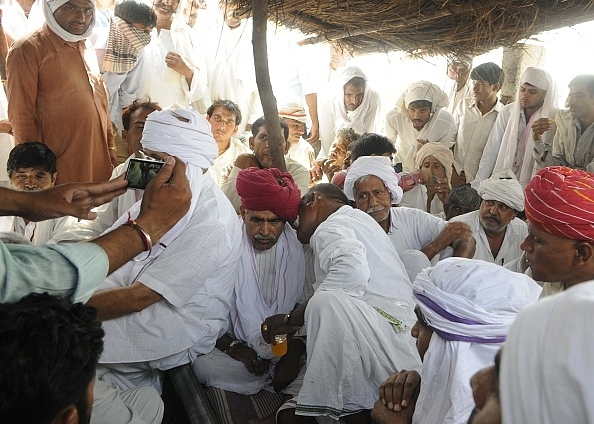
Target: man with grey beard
{"points": [[496, 229]]}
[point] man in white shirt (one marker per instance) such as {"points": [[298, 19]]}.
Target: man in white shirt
{"points": [[270, 281], [419, 117], [358, 317], [458, 70], [32, 166], [294, 115], [495, 227], [475, 117], [225, 117]]}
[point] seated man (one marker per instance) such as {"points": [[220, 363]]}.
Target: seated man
{"points": [[496, 229], [299, 149], [261, 159], [133, 119], [484, 300], [32, 166], [270, 281], [154, 309], [358, 318], [372, 184], [48, 355], [224, 117], [419, 117]]}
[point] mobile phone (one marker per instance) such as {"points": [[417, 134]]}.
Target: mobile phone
{"points": [[141, 171]]}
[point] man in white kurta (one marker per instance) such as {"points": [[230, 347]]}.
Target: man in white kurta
{"points": [[294, 115], [495, 226], [174, 69], [409, 132], [511, 142], [270, 281], [358, 319], [475, 117], [186, 280], [350, 103], [458, 71]]}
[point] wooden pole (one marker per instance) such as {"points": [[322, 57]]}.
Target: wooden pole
{"points": [[275, 136], [3, 53]]}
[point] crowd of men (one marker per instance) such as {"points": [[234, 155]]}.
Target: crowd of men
{"points": [[392, 262]]}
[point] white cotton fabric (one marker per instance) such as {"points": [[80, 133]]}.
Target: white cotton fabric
{"points": [[439, 152], [50, 6], [515, 142], [250, 309], [227, 158], [503, 187], [413, 229], [379, 166], [417, 198], [293, 110], [399, 128], [351, 347], [470, 289], [547, 368]]}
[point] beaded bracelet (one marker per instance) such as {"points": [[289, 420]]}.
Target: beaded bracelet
{"points": [[146, 238]]}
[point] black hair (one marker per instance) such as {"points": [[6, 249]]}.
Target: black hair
{"points": [[356, 82], [135, 12], [261, 121], [226, 104], [328, 191], [133, 107], [488, 72], [48, 355], [31, 155], [420, 104], [370, 144], [585, 79]]}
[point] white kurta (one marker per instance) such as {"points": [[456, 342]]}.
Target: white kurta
{"points": [[166, 86], [228, 157], [38, 233], [352, 347], [195, 275], [399, 129], [303, 153], [515, 233], [473, 131], [413, 228], [455, 96], [417, 199]]}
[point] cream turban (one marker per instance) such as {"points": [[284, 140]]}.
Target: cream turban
{"points": [[379, 166], [183, 133], [423, 90], [439, 152], [503, 187], [50, 6], [293, 110]]}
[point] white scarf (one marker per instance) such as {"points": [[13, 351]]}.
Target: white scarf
{"points": [[379, 166], [511, 139], [49, 8], [354, 118], [249, 309]]}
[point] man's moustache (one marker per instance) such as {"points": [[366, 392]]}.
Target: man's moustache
{"points": [[493, 217], [375, 209], [261, 237]]}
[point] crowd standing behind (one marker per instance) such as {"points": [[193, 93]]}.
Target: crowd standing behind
{"points": [[446, 199]]}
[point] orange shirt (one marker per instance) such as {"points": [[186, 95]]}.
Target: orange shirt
{"points": [[55, 97]]}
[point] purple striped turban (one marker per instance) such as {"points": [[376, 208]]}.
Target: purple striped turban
{"points": [[560, 201]]}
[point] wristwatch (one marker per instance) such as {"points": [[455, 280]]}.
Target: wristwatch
{"points": [[286, 322]]}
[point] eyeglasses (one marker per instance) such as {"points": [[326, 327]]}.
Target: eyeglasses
{"points": [[218, 119]]}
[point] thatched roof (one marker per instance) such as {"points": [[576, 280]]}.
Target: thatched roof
{"points": [[431, 27]]}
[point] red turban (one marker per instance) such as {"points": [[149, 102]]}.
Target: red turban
{"points": [[269, 189], [560, 201]]}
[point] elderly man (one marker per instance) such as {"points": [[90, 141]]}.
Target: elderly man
{"points": [[458, 71], [485, 299], [560, 211], [511, 142], [497, 231], [174, 69], [56, 96], [357, 319], [270, 281], [574, 133], [352, 104], [419, 117], [260, 159], [225, 117], [372, 184], [156, 302], [294, 115], [475, 117]]}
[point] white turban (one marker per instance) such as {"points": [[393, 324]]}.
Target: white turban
{"points": [[423, 90], [470, 305], [547, 365], [379, 166], [183, 133], [439, 152], [293, 110], [505, 188], [50, 6]]}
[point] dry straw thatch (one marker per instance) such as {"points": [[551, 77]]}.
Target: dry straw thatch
{"points": [[447, 27]]}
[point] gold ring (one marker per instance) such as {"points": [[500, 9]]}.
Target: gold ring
{"points": [[265, 328]]}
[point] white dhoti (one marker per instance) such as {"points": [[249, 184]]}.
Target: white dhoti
{"points": [[351, 350]]}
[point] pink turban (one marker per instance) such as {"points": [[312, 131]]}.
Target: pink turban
{"points": [[560, 201], [269, 189]]}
